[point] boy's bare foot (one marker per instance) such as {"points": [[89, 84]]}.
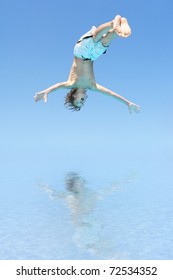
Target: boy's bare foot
{"points": [[117, 24], [125, 28]]}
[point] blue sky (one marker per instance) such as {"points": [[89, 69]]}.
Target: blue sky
{"points": [[37, 51], [102, 141]]}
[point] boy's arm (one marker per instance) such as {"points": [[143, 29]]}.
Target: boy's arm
{"points": [[44, 94], [52, 193], [131, 106]]}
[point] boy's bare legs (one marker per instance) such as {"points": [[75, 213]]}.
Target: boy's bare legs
{"points": [[108, 38], [122, 30], [119, 26], [105, 27]]}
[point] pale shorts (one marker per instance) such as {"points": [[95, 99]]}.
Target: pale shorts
{"points": [[87, 49]]}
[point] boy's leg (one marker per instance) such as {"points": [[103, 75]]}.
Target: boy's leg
{"points": [[108, 38], [106, 27], [119, 26]]}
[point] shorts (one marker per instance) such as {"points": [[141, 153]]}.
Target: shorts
{"points": [[87, 49]]}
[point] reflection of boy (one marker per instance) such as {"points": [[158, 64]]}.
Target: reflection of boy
{"points": [[81, 201]]}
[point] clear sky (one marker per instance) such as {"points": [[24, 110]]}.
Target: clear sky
{"points": [[37, 40], [103, 140]]}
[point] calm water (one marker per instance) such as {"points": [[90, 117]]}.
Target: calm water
{"points": [[122, 212]]}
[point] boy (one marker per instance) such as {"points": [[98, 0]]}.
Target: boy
{"points": [[81, 78]]}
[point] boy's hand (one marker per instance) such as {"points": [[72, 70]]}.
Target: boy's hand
{"points": [[134, 107], [41, 95]]}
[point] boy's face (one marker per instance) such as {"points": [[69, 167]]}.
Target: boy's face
{"points": [[80, 97]]}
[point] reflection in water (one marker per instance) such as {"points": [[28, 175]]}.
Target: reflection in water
{"points": [[82, 201]]}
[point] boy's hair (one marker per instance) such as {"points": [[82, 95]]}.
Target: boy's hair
{"points": [[69, 100]]}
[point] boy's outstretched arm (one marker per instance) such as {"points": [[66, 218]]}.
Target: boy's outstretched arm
{"points": [[131, 106], [44, 94], [52, 193]]}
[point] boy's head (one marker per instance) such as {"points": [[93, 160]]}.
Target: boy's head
{"points": [[75, 99], [74, 182]]}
